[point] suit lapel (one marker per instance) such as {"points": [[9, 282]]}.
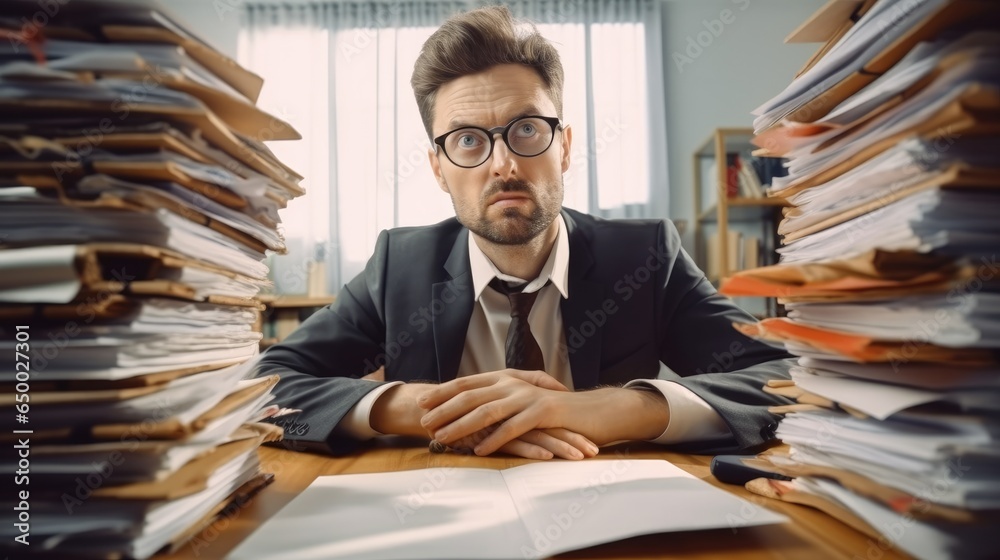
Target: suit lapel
{"points": [[452, 304], [451, 310], [583, 335]]}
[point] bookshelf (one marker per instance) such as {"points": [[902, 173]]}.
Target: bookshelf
{"points": [[282, 314], [716, 210], [713, 206]]}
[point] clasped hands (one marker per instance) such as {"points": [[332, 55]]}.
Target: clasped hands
{"points": [[525, 413], [517, 412]]}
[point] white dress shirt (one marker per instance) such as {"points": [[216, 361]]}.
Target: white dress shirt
{"points": [[691, 418]]}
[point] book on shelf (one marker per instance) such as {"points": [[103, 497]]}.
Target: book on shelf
{"points": [[733, 166], [749, 176], [742, 252], [750, 185]]}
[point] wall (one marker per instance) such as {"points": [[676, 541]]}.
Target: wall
{"points": [[745, 64], [217, 22], [707, 86]]}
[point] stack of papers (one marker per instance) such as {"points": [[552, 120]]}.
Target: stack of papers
{"points": [[137, 204], [889, 276]]}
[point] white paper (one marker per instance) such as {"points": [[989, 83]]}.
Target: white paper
{"points": [[906, 441], [878, 28], [39, 274], [530, 511], [878, 400]]}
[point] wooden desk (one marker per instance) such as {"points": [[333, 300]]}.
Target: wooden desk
{"points": [[810, 534]]}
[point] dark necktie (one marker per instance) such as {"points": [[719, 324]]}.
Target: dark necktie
{"points": [[522, 350]]}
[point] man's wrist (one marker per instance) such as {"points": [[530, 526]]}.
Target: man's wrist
{"points": [[619, 414], [653, 413], [396, 411]]}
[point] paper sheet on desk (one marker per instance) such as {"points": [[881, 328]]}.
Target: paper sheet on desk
{"points": [[531, 511]]}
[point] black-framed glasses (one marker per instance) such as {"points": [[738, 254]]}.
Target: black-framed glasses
{"points": [[470, 146]]}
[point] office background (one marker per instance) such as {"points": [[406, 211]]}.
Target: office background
{"points": [[708, 82]]}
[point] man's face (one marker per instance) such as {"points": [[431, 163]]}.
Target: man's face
{"points": [[509, 199]]}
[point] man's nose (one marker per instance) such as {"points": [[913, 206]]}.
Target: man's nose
{"points": [[504, 162]]}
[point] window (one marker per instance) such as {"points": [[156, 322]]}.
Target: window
{"points": [[340, 72]]}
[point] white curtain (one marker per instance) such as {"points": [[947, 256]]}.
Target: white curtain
{"points": [[339, 71]]}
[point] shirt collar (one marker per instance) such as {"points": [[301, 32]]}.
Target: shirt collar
{"points": [[555, 270]]}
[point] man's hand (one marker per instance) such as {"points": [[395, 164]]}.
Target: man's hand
{"points": [[536, 444], [396, 412], [521, 401]]}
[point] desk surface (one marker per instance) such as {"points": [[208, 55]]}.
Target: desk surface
{"points": [[810, 534]]}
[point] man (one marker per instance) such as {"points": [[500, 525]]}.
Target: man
{"points": [[515, 366]]}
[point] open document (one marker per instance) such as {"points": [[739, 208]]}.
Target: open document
{"points": [[531, 511]]}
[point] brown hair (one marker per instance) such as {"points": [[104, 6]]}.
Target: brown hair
{"points": [[475, 41]]}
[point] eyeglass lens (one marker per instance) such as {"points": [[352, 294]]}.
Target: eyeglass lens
{"points": [[526, 137]]}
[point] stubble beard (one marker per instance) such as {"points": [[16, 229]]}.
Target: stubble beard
{"points": [[513, 227]]}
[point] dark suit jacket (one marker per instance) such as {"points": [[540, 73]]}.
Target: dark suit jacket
{"points": [[636, 299]]}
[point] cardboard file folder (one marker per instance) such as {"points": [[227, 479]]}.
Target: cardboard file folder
{"points": [[150, 271], [786, 492], [977, 113], [236, 111], [173, 428], [150, 136], [778, 141], [146, 201], [107, 307], [898, 500], [241, 79], [142, 171], [949, 15], [824, 25], [213, 129], [828, 25], [140, 22], [957, 176], [240, 115], [62, 396], [170, 139], [191, 478]]}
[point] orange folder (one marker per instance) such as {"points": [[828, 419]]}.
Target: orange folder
{"points": [[859, 347], [873, 274]]}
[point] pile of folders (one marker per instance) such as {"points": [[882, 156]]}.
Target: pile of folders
{"points": [[889, 274], [137, 202]]}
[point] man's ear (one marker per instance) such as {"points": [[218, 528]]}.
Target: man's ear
{"points": [[567, 143], [436, 168]]}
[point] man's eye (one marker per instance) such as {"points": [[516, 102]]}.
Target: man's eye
{"points": [[468, 141], [526, 129]]}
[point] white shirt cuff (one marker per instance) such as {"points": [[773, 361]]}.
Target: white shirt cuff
{"points": [[691, 418], [356, 423]]}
